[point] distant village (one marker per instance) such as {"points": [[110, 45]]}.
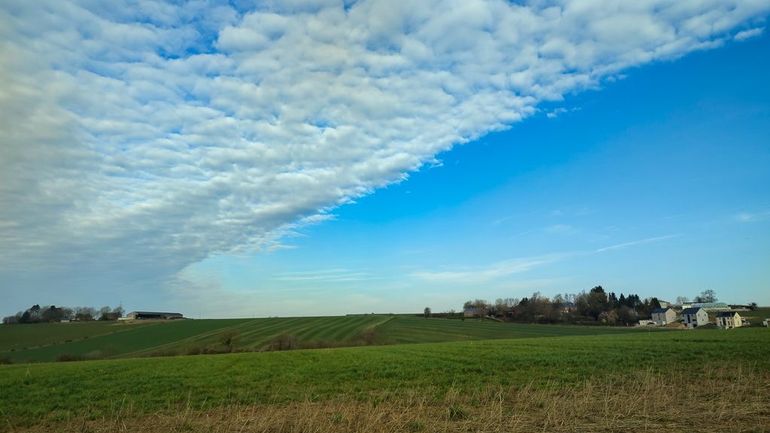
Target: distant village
{"points": [[598, 307]]}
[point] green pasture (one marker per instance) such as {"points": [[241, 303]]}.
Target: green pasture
{"points": [[34, 392]]}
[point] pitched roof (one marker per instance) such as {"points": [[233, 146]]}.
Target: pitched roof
{"points": [[726, 314], [660, 310], [691, 310]]}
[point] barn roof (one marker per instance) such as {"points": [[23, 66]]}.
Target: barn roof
{"points": [[155, 313]]}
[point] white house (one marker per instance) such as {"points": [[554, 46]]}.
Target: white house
{"points": [[729, 319], [663, 316], [694, 317]]}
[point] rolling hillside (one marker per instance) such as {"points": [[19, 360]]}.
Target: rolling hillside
{"points": [[49, 342]]}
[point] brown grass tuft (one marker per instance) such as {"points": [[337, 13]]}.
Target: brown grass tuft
{"points": [[730, 399]]}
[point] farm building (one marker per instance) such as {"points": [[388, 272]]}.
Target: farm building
{"points": [[473, 312], [694, 317], [663, 316], [729, 319], [153, 315]]}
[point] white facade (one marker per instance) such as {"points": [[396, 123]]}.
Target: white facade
{"points": [[729, 320], [663, 316], [694, 317]]}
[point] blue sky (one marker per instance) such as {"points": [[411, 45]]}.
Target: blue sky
{"points": [[664, 197], [274, 161]]}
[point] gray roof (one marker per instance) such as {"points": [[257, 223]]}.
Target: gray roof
{"points": [[691, 310], [155, 313], [660, 310], [726, 314]]}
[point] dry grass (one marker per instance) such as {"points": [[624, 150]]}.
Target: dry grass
{"points": [[735, 400]]}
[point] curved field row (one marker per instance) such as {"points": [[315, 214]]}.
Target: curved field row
{"points": [[29, 336], [411, 329], [132, 339], [181, 337], [225, 335]]}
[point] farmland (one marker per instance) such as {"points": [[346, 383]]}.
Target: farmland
{"points": [[98, 340], [464, 377]]}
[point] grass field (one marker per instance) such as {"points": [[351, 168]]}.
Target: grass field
{"points": [[47, 342], [468, 374]]}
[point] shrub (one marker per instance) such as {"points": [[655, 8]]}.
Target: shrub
{"points": [[68, 357], [284, 342]]}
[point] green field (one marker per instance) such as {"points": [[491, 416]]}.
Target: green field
{"points": [[52, 391], [47, 342]]}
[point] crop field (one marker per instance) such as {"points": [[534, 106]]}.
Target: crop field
{"points": [[49, 342], [612, 382]]}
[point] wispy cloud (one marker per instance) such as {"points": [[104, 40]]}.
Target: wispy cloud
{"points": [[560, 229], [489, 272], [750, 217], [324, 275], [556, 112], [637, 242], [747, 34]]}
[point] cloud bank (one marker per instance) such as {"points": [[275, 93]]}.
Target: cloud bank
{"points": [[139, 138]]}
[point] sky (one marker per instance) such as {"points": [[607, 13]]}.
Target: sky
{"points": [[249, 159]]}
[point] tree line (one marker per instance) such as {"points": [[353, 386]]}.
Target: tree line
{"points": [[52, 313], [594, 307]]}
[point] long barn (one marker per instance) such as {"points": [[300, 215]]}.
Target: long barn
{"points": [[153, 315]]}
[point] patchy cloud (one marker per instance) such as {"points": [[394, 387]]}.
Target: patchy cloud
{"points": [[138, 139]]}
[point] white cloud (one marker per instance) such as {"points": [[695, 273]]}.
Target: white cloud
{"points": [[748, 34], [138, 139], [637, 242]]}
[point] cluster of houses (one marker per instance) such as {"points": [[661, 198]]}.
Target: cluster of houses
{"points": [[695, 315]]}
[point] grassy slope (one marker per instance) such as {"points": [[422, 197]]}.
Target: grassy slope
{"points": [[164, 384], [411, 329], [179, 337], [129, 338], [21, 337]]}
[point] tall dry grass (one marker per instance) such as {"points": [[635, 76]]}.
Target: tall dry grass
{"points": [[710, 400]]}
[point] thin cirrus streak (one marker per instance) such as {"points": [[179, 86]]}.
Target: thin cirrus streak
{"points": [[139, 139]]}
